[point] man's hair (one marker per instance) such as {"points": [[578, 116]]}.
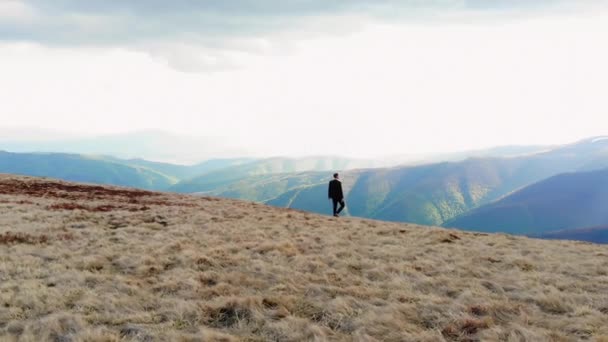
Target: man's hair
{"points": [[335, 175]]}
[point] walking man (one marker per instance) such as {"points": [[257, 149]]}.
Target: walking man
{"points": [[336, 195]]}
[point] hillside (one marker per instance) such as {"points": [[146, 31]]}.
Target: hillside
{"points": [[565, 201], [270, 186], [93, 263], [80, 168]]}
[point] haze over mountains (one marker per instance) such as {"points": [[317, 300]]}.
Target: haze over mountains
{"points": [[432, 193], [173, 148], [151, 145]]}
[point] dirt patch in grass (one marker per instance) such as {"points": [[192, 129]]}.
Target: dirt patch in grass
{"points": [[100, 208], [9, 238]]}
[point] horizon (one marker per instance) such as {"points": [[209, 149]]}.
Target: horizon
{"points": [[67, 143], [363, 80]]}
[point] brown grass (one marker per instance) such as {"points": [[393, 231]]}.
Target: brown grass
{"points": [[203, 269]]}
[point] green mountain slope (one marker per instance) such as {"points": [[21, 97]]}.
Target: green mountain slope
{"points": [[267, 187], [565, 201], [182, 172], [78, 168], [313, 198]]}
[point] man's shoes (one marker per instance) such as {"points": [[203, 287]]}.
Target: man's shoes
{"points": [[336, 215]]}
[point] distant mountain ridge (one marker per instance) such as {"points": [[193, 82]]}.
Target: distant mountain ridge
{"points": [[107, 169], [565, 201], [181, 172]]}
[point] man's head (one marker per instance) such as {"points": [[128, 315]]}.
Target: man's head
{"points": [[336, 176]]}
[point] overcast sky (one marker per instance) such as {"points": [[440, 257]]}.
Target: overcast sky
{"points": [[359, 78]]}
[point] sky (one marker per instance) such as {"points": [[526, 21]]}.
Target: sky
{"points": [[359, 78]]}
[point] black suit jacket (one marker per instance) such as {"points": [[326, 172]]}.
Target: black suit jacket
{"points": [[335, 190]]}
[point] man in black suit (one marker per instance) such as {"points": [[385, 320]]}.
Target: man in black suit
{"points": [[336, 195]]}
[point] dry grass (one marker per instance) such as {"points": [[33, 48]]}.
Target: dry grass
{"points": [[84, 263]]}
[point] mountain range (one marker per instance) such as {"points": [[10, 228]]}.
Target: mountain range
{"points": [[451, 193], [82, 168], [107, 170], [215, 176]]}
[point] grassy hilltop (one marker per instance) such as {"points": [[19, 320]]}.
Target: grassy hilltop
{"points": [[94, 263]]}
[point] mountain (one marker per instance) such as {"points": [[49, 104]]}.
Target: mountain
{"points": [[266, 187], [436, 193], [565, 201], [182, 172], [595, 234], [310, 198], [250, 173], [80, 168]]}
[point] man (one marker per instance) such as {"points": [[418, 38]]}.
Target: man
{"points": [[336, 195]]}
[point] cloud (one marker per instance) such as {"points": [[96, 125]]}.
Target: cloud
{"points": [[99, 22], [388, 89], [13, 12], [203, 34]]}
